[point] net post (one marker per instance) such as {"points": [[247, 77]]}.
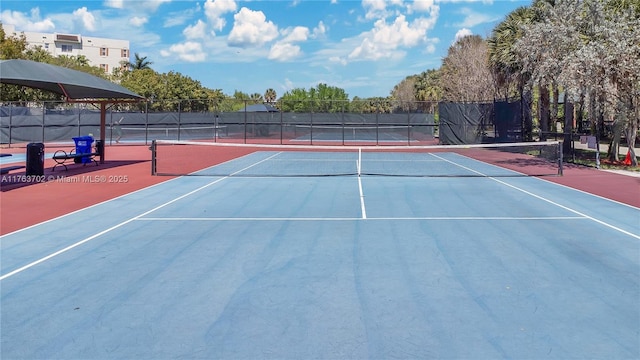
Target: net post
{"points": [[560, 158], [153, 157]]}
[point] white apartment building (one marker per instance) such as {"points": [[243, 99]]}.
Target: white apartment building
{"points": [[108, 54]]}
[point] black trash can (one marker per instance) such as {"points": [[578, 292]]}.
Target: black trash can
{"points": [[35, 159], [100, 149]]}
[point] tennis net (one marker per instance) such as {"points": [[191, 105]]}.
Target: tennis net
{"points": [[177, 158]]}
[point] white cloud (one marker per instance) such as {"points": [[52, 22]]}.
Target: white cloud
{"points": [[334, 53], [176, 18], [391, 40], [462, 33], [283, 51], [422, 5], [27, 23], [138, 21], [430, 48], [319, 30], [286, 49], [369, 50], [298, 33], [218, 48], [189, 51], [374, 8], [377, 9], [338, 60], [215, 9], [152, 5], [251, 28], [116, 4], [472, 18], [387, 40], [197, 31], [148, 5], [86, 18]]}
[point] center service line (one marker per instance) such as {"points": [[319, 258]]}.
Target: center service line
{"points": [[359, 164]]}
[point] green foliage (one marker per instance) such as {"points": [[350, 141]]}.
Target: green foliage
{"points": [[322, 98], [140, 63], [506, 65], [12, 47], [270, 96], [372, 105], [171, 91]]}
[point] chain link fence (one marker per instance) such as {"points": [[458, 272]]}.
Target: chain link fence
{"points": [[292, 122]]}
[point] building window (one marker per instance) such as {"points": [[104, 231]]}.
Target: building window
{"points": [[104, 51], [124, 53], [104, 67], [71, 38], [46, 46], [66, 48]]}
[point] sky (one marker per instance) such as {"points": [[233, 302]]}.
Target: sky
{"points": [[364, 47]]}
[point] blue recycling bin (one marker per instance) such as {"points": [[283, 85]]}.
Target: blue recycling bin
{"points": [[83, 146]]}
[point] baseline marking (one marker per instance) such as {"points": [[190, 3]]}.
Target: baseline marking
{"points": [[437, 218]]}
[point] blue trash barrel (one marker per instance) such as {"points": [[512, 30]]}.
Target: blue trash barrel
{"points": [[83, 146]]}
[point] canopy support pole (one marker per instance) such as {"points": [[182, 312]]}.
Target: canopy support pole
{"points": [[103, 129]]}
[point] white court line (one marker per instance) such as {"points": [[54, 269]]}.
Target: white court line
{"points": [[438, 218], [139, 217], [358, 165], [544, 199], [62, 251]]}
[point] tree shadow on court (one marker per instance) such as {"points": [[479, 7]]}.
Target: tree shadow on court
{"points": [[531, 165]]}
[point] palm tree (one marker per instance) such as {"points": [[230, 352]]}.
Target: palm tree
{"points": [[256, 98], [270, 96], [140, 63], [428, 89], [503, 59], [507, 64]]}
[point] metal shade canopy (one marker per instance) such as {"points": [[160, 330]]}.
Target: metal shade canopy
{"points": [[72, 84], [75, 86]]}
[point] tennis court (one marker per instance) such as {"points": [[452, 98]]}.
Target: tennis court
{"points": [[330, 254]]}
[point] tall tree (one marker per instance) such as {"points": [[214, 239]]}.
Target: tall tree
{"points": [[592, 49], [405, 93], [140, 63], [322, 98], [506, 65], [257, 98], [465, 74], [428, 90], [270, 96], [12, 47]]}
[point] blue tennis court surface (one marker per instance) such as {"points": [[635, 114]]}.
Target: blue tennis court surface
{"points": [[338, 267]]}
